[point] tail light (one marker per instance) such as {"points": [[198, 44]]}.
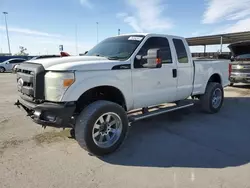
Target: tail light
{"points": [[229, 69]]}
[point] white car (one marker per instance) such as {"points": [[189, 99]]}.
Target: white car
{"points": [[8, 65], [98, 93]]}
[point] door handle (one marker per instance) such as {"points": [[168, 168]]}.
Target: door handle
{"points": [[174, 73]]}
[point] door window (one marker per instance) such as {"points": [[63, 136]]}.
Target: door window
{"points": [[155, 42], [180, 51], [16, 61]]}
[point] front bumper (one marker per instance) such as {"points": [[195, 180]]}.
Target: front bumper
{"points": [[239, 78], [49, 113]]}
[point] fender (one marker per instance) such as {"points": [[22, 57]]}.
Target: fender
{"points": [[210, 73], [115, 78]]}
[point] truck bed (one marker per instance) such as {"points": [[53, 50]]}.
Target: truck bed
{"points": [[204, 68]]}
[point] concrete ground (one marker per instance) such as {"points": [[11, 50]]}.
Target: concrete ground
{"points": [[182, 149]]}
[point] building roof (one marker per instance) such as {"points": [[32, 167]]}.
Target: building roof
{"points": [[216, 39]]}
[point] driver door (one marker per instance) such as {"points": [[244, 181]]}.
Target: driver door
{"points": [[152, 86]]}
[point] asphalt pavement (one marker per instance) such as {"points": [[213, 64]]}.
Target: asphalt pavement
{"points": [[181, 149]]}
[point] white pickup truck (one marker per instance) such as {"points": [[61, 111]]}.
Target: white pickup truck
{"points": [[98, 93]]}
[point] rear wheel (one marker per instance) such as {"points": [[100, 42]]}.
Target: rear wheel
{"points": [[213, 98], [101, 127], [2, 69]]}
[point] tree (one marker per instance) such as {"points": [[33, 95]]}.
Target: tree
{"points": [[22, 51]]}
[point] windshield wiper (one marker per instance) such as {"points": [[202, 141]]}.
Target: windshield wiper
{"points": [[99, 55], [115, 58], [110, 58]]}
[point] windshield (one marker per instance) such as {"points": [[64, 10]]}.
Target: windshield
{"points": [[120, 48], [243, 56]]}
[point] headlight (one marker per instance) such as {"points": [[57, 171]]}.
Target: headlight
{"points": [[56, 84]]}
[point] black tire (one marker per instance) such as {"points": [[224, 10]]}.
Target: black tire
{"points": [[231, 84], [2, 69], [85, 124], [206, 99], [72, 133], [177, 103]]}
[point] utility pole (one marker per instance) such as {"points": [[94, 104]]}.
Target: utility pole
{"points": [[97, 23], [221, 43], [76, 40], [119, 31], [7, 32]]}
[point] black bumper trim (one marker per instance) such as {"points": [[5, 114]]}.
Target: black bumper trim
{"points": [[238, 79], [49, 113]]}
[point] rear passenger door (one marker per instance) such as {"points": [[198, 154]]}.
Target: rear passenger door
{"points": [[152, 86], [185, 70]]}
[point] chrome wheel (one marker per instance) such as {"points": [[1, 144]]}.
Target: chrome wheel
{"points": [[2, 69], [107, 130], [216, 98]]}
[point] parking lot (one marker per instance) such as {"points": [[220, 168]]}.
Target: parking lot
{"points": [[181, 149]]}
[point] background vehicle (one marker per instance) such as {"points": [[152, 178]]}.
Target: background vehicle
{"points": [[121, 80], [14, 69], [239, 69], [44, 56], [8, 65]]}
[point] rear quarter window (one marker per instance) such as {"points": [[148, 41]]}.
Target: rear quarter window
{"points": [[180, 51]]}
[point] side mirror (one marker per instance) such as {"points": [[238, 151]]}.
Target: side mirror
{"points": [[153, 58], [232, 58], [85, 52], [139, 57]]}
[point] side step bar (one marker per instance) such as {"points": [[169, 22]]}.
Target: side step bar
{"points": [[132, 118]]}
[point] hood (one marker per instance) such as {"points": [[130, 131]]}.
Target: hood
{"points": [[240, 48], [76, 63]]}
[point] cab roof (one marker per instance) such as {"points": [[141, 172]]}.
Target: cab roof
{"points": [[146, 34]]}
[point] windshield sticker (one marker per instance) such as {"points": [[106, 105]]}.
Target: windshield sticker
{"points": [[135, 38]]}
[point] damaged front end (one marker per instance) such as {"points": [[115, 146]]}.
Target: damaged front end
{"points": [[58, 115], [30, 85]]}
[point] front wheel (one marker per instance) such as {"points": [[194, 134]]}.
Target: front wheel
{"points": [[101, 127], [2, 69], [213, 98]]}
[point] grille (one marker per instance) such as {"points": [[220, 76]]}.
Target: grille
{"points": [[241, 68], [30, 81], [25, 82]]}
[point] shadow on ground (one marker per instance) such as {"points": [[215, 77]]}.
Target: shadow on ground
{"points": [[189, 138]]}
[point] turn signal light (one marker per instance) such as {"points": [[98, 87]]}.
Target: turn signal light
{"points": [[158, 60], [68, 82]]}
